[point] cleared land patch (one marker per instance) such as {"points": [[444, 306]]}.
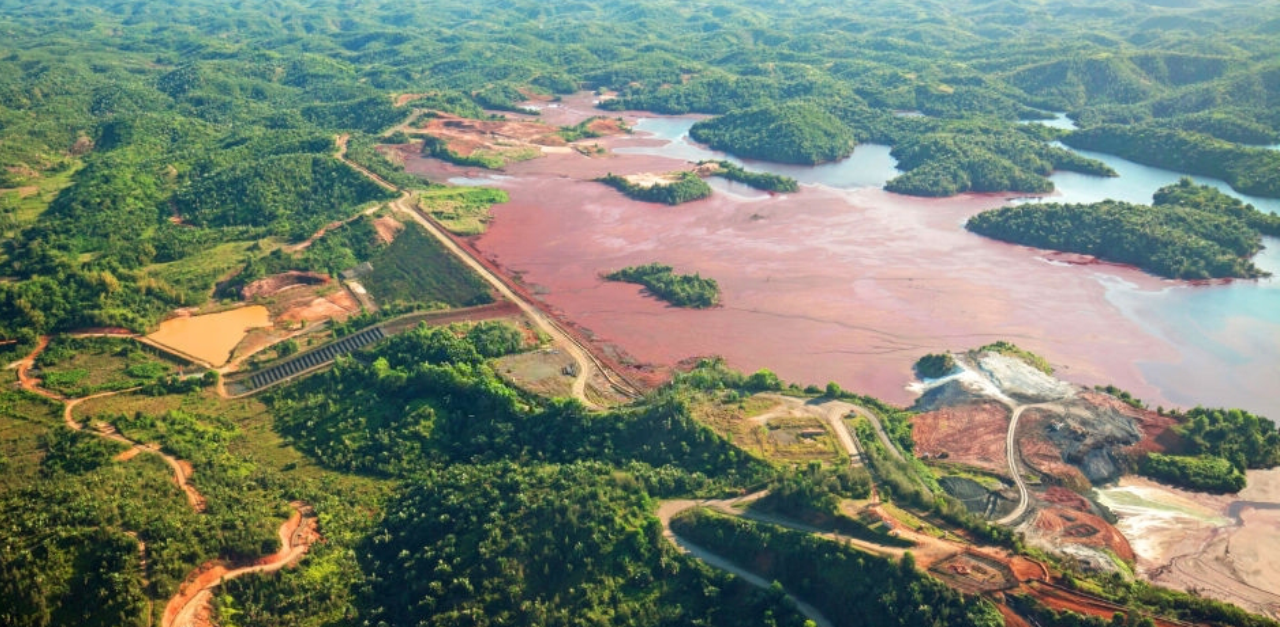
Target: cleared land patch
{"points": [[462, 210], [76, 367]]}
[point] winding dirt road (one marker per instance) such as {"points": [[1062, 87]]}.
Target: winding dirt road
{"points": [[181, 469], [189, 607]]}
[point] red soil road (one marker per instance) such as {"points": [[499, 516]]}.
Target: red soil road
{"points": [[181, 469], [581, 350], [25, 364], [296, 536], [1011, 618], [1034, 577], [610, 369], [1060, 599]]}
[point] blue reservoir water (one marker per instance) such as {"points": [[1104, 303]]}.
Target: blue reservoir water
{"points": [[1220, 325], [869, 166]]}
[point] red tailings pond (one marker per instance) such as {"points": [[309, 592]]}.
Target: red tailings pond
{"points": [[845, 282]]}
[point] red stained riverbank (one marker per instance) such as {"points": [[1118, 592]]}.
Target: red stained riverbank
{"points": [[843, 281], [819, 285]]}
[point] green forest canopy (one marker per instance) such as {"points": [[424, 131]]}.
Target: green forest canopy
{"points": [[126, 116], [681, 290], [1189, 233]]}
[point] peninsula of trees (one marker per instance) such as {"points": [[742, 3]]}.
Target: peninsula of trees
{"points": [[764, 181], [793, 133], [681, 188], [681, 290], [1189, 233]]}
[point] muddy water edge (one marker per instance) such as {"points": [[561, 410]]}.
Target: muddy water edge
{"points": [[211, 337], [843, 281], [1222, 546]]}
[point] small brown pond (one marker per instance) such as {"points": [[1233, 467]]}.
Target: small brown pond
{"points": [[211, 337]]}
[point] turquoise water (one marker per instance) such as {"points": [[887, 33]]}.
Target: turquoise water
{"points": [[1231, 328], [1233, 324], [1060, 120], [869, 166], [1136, 183]]}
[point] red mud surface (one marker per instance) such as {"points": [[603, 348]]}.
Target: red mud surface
{"points": [[820, 285], [972, 434], [1066, 498]]}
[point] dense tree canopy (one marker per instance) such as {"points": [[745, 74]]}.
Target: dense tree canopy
{"points": [[790, 133], [681, 290], [686, 187], [1168, 240]]}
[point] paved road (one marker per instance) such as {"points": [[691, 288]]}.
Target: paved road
{"points": [[1011, 453]]}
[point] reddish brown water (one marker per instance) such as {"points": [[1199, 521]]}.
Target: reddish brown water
{"points": [[211, 337], [823, 285]]}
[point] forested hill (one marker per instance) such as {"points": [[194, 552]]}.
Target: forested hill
{"points": [[118, 120], [1189, 232], [158, 154]]}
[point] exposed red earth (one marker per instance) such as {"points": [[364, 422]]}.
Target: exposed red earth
{"points": [[465, 136], [820, 285], [1066, 526], [973, 435]]}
